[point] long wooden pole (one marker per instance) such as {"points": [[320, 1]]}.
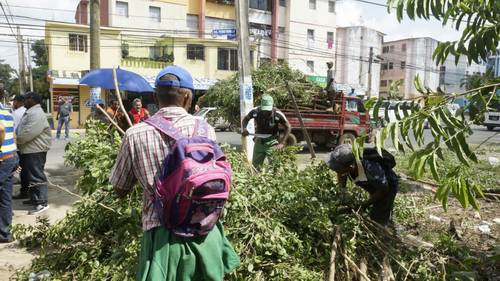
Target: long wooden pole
{"points": [[110, 119], [119, 96], [299, 116]]}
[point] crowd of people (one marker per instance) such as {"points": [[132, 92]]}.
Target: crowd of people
{"points": [[148, 150], [25, 138]]}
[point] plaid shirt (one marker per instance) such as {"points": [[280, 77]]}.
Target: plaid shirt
{"points": [[141, 157]]}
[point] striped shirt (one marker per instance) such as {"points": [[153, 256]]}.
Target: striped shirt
{"points": [[141, 157], [9, 144]]}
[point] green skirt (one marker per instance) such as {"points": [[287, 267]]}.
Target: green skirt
{"points": [[166, 257]]}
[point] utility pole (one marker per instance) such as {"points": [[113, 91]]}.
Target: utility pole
{"points": [[370, 61], [20, 54], [95, 46], [95, 34], [28, 63], [244, 66]]}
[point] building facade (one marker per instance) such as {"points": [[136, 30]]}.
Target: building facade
{"points": [[69, 59], [353, 60], [405, 59], [299, 32]]}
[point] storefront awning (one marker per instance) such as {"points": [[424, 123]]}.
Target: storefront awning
{"points": [[200, 84]]}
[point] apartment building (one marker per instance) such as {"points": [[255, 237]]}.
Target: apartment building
{"points": [[403, 60], [493, 63], [406, 58], [352, 55], [69, 59], [299, 32]]}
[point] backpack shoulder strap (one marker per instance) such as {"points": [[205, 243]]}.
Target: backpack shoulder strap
{"points": [[165, 126], [200, 128]]}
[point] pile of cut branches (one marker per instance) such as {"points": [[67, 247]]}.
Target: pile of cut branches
{"points": [[281, 221]]}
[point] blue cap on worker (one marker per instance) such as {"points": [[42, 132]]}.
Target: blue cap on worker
{"points": [[185, 79]]}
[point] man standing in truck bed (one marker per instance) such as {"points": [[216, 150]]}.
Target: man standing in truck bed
{"points": [[267, 121]]}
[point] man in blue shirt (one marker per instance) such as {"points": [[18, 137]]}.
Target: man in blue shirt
{"points": [[373, 175], [8, 163]]}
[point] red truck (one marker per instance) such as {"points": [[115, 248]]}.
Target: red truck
{"points": [[328, 128]]}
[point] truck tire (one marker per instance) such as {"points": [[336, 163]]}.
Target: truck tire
{"points": [[347, 138], [490, 128], [291, 140]]}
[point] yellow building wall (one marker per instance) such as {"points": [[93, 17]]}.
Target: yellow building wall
{"points": [[62, 58], [193, 7], [212, 9]]}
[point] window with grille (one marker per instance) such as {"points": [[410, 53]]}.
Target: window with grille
{"points": [[383, 66], [310, 65], [385, 49], [283, 3], [329, 37], [122, 9], [264, 5], [227, 59], [403, 48], [78, 43], [155, 13], [312, 4], [391, 65], [383, 83], [195, 52], [403, 65], [331, 6], [310, 34]]}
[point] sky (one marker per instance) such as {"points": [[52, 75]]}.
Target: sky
{"points": [[349, 12]]}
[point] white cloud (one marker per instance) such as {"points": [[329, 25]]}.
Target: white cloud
{"points": [[8, 51], [358, 13]]}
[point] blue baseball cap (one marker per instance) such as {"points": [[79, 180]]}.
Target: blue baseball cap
{"points": [[185, 79]]}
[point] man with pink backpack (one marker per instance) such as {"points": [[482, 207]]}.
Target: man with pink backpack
{"points": [[186, 182]]}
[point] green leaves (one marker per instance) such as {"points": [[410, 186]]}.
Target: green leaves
{"points": [[482, 32], [448, 130]]}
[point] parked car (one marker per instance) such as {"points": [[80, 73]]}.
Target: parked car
{"points": [[210, 114]]}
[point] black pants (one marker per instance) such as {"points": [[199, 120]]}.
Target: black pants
{"points": [[381, 211], [7, 168], [33, 179]]}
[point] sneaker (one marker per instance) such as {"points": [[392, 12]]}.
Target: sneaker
{"points": [[38, 209], [20, 196], [28, 202]]}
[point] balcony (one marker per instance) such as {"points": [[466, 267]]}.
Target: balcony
{"points": [[144, 63]]}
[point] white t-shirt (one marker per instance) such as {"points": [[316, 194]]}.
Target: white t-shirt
{"points": [[18, 115]]}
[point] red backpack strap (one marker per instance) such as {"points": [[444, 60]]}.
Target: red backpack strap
{"points": [[200, 128], [165, 126]]}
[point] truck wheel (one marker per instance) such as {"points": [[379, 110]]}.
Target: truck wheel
{"points": [[490, 128], [291, 140], [347, 138]]}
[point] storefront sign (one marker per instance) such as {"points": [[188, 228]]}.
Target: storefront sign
{"points": [[320, 80]]}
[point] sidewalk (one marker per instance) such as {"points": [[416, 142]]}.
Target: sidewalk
{"points": [[12, 256]]}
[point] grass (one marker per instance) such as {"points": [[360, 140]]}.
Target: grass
{"points": [[483, 173]]}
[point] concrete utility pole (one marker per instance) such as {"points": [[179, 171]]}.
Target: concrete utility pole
{"points": [[244, 65], [28, 63], [20, 54], [370, 61], [95, 34]]}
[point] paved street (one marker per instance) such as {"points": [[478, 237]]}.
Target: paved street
{"points": [[480, 135], [12, 256]]}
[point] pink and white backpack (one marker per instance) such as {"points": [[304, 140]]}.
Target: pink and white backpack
{"points": [[195, 182]]}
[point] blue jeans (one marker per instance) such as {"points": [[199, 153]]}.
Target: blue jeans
{"points": [[65, 121], [7, 168]]}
